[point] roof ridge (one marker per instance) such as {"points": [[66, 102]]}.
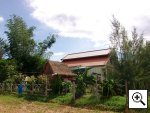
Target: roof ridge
{"points": [[87, 51]]}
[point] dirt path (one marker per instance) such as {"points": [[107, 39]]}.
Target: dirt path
{"points": [[32, 107], [11, 104]]}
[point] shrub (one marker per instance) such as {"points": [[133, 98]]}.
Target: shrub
{"points": [[17, 79], [66, 85], [81, 86], [56, 85], [8, 69], [111, 87]]}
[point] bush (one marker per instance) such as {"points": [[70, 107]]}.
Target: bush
{"points": [[66, 85], [17, 79], [56, 85], [35, 97], [81, 86], [111, 87], [8, 69]]}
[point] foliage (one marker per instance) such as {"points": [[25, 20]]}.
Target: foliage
{"points": [[66, 86], [19, 36], [2, 47], [23, 48], [115, 103], [144, 58], [83, 80], [16, 79], [33, 65], [41, 79], [8, 68], [35, 97], [80, 88], [56, 85], [63, 99], [128, 56], [88, 79], [111, 87], [47, 43], [31, 79]]}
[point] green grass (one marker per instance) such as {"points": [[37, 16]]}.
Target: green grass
{"points": [[115, 103], [7, 99], [15, 100], [13, 104], [63, 99]]}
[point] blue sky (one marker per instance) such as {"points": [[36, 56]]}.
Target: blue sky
{"points": [[81, 24]]}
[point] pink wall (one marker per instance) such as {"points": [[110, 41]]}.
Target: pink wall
{"points": [[90, 61]]}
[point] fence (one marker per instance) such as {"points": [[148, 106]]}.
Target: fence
{"points": [[32, 88]]}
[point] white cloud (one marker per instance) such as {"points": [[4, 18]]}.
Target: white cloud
{"points": [[59, 54], [88, 18], [1, 19]]}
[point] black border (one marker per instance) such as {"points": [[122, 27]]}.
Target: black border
{"points": [[138, 108]]}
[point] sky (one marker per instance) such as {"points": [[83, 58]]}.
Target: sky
{"points": [[81, 25]]}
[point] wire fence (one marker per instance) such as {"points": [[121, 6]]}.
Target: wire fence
{"points": [[26, 88]]}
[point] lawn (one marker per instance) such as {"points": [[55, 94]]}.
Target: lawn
{"points": [[12, 104], [85, 104], [115, 103]]}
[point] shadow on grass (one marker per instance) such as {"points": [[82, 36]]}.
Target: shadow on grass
{"points": [[60, 99], [35, 97]]}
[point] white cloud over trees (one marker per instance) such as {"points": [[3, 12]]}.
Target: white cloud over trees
{"points": [[88, 19]]}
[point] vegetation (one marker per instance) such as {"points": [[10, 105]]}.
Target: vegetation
{"points": [[10, 103], [22, 60], [2, 46], [111, 87], [128, 57], [115, 103], [8, 68], [23, 54], [83, 80]]}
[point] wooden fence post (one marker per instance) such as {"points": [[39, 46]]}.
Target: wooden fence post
{"points": [[126, 90], [46, 86], [32, 88], [97, 95], [73, 92], [11, 87]]}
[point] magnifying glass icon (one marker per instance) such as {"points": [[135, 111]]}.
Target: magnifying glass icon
{"points": [[137, 97]]}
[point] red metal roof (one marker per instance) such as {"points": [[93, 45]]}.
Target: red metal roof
{"points": [[87, 54], [87, 62]]}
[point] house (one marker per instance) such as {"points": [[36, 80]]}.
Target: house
{"points": [[54, 68], [96, 60]]}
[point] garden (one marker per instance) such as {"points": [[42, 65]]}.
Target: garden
{"points": [[23, 87]]}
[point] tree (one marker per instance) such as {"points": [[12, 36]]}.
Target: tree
{"points": [[19, 37], [23, 48], [144, 58], [46, 44], [2, 48], [127, 53]]}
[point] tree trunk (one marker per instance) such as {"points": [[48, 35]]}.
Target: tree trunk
{"points": [[126, 90]]}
